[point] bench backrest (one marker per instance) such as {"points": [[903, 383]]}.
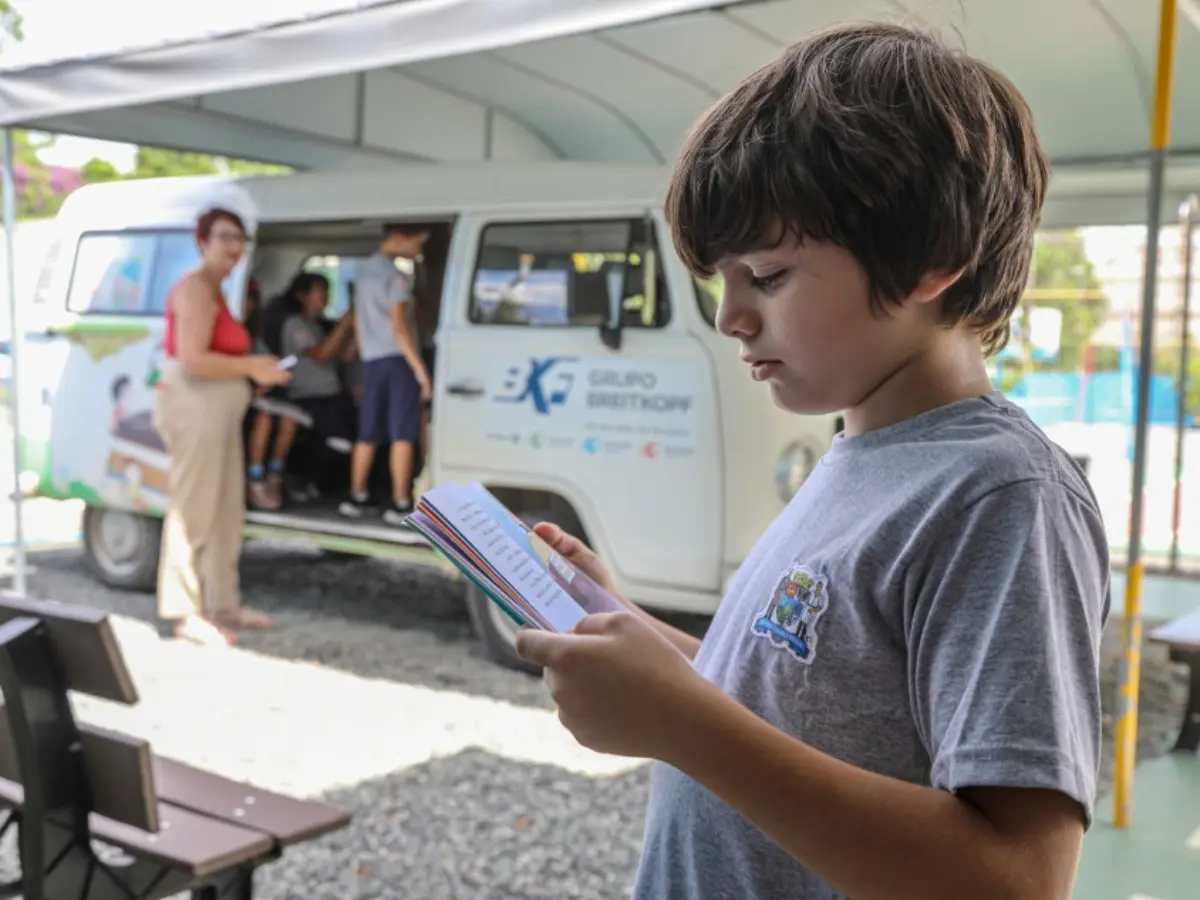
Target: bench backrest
{"points": [[47, 649], [85, 647]]}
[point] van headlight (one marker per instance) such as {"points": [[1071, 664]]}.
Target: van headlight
{"points": [[795, 464]]}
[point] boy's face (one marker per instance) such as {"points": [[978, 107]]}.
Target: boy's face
{"points": [[406, 246], [802, 315]]}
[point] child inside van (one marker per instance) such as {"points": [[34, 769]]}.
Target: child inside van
{"points": [[316, 386], [395, 381], [269, 432], [899, 695]]}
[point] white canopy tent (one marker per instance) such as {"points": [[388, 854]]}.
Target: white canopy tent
{"points": [[355, 84]]}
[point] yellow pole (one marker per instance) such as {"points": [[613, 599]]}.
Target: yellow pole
{"points": [[1131, 661]]}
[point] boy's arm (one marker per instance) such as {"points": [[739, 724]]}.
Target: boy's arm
{"points": [[1002, 622], [687, 644], [874, 837], [400, 295], [1003, 625]]}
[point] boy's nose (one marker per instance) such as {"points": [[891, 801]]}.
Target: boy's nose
{"points": [[737, 320]]}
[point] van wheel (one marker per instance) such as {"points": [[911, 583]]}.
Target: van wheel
{"points": [[121, 548], [496, 631]]}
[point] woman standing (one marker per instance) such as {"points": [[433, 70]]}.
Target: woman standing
{"points": [[199, 410]]}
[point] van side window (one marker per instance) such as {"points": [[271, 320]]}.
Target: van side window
{"points": [[569, 273], [112, 273], [132, 273]]}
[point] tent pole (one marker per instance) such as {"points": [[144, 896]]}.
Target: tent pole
{"points": [[1188, 227], [1131, 659], [10, 228]]}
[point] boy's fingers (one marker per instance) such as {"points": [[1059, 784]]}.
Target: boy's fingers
{"points": [[597, 623], [564, 543], [542, 648], [549, 532]]}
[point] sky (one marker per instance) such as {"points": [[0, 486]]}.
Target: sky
{"points": [[45, 37]]}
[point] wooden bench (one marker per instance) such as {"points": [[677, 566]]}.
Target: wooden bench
{"points": [[99, 816], [1182, 638]]}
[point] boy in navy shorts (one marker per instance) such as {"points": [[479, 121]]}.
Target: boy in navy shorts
{"points": [[395, 381], [899, 696]]}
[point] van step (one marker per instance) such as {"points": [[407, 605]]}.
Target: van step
{"points": [[327, 521]]}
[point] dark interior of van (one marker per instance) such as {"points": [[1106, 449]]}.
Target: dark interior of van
{"points": [[318, 475]]}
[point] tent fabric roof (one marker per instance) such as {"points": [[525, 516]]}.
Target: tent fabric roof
{"points": [[370, 84]]}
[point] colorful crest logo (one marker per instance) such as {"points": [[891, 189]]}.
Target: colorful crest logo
{"points": [[789, 620]]}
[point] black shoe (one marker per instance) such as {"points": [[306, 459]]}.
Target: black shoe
{"points": [[397, 513]]}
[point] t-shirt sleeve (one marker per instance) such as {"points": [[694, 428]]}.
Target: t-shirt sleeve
{"points": [[1003, 621], [295, 338], [399, 288]]}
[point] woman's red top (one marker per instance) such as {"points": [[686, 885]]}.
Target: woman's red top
{"points": [[229, 336]]}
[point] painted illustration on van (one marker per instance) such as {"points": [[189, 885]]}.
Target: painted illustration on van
{"points": [[104, 448]]}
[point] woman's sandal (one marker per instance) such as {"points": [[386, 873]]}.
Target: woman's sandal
{"points": [[242, 618]]}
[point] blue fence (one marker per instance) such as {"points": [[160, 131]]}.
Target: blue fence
{"points": [[1054, 397]]}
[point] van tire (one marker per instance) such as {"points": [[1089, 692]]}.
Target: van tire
{"points": [[492, 626], [121, 548], [495, 631]]}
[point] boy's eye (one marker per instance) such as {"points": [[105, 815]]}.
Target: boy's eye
{"points": [[766, 282]]}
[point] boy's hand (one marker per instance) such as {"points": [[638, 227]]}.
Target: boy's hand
{"points": [[424, 383], [618, 682], [579, 555]]}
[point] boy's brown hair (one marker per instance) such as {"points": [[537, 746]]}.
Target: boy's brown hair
{"points": [[878, 138]]}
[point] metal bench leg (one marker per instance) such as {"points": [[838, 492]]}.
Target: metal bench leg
{"points": [[1189, 736], [237, 885]]}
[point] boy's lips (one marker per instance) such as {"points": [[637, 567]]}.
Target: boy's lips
{"points": [[763, 369]]}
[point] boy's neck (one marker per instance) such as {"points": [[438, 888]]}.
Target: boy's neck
{"points": [[949, 370]]}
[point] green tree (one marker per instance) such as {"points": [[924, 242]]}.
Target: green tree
{"points": [[10, 22], [151, 162], [1061, 264], [96, 171]]}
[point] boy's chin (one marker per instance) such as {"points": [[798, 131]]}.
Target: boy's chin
{"points": [[798, 402]]}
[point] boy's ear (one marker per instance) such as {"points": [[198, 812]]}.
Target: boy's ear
{"points": [[933, 284]]}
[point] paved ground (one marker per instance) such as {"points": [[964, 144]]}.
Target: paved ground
{"points": [[374, 696]]}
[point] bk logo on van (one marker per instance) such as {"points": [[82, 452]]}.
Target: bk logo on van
{"points": [[545, 383]]}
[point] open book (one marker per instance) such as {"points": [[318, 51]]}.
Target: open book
{"points": [[533, 584]]}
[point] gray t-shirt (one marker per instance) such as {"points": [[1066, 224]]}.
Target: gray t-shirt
{"points": [[378, 287], [310, 377], [928, 607]]}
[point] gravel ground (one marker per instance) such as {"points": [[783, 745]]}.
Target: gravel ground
{"points": [[374, 696]]}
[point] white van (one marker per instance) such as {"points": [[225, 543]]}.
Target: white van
{"points": [[601, 398]]}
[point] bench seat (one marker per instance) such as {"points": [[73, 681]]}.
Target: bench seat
{"points": [[285, 820], [193, 844], [1181, 637]]}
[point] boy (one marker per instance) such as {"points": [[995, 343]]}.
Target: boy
{"points": [[394, 379], [899, 696]]}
